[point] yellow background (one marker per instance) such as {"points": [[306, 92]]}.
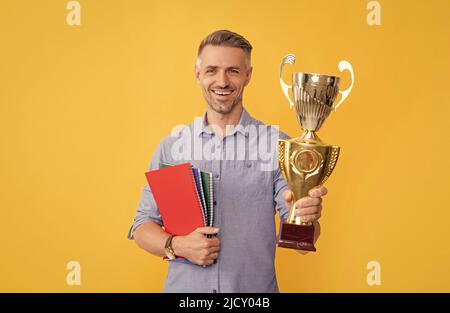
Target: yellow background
{"points": [[84, 107]]}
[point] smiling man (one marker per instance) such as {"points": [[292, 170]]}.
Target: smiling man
{"points": [[240, 258]]}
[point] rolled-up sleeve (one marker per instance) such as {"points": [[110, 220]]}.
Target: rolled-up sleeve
{"points": [[279, 187], [147, 209]]}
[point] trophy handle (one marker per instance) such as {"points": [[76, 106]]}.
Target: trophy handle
{"points": [[345, 65], [288, 59]]}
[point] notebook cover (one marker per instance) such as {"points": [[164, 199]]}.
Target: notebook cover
{"points": [[201, 190], [207, 191], [175, 194]]}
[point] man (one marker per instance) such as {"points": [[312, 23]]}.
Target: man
{"points": [[240, 258]]}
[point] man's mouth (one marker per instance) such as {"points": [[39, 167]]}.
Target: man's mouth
{"points": [[222, 92]]}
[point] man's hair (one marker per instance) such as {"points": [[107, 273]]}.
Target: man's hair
{"points": [[228, 39]]}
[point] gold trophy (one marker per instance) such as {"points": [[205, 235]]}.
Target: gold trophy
{"points": [[306, 161]]}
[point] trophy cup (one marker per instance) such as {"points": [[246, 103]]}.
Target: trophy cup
{"points": [[306, 161]]}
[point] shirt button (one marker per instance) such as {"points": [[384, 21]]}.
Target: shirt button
{"points": [[216, 176], [214, 291]]}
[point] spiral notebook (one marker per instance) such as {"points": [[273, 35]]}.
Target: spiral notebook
{"points": [[184, 196], [204, 184]]}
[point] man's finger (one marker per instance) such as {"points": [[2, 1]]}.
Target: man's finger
{"points": [[318, 191], [214, 249], [206, 262], [207, 230], [308, 201], [213, 256], [310, 218], [309, 210], [213, 242], [287, 195]]}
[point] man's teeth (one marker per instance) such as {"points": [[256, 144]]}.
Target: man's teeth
{"points": [[222, 93]]}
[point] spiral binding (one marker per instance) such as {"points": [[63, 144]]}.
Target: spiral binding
{"points": [[194, 183]]}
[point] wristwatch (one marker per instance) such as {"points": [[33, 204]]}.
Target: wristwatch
{"points": [[168, 248]]}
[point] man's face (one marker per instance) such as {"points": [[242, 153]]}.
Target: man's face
{"points": [[223, 73]]}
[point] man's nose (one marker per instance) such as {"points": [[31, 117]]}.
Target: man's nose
{"points": [[222, 79]]}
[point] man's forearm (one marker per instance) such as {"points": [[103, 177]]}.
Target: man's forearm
{"points": [[151, 237]]}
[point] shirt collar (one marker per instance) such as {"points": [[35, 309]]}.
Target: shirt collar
{"points": [[241, 127]]}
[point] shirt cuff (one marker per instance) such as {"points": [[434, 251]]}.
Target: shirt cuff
{"points": [[136, 224]]}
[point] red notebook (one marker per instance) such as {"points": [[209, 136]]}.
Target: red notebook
{"points": [[176, 196]]}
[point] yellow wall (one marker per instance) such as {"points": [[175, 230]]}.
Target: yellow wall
{"points": [[82, 109]]}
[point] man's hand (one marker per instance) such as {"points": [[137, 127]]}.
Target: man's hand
{"points": [[196, 247], [309, 208]]}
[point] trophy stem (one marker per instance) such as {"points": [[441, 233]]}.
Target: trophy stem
{"points": [[295, 234], [310, 137]]}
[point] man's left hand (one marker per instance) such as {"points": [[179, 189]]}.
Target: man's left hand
{"points": [[309, 208]]}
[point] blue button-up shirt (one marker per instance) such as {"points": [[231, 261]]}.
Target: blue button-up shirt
{"points": [[248, 191]]}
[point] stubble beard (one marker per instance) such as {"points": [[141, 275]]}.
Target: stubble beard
{"points": [[223, 108]]}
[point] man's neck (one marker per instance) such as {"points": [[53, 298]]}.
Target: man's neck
{"points": [[224, 121]]}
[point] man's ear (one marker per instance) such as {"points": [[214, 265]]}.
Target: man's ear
{"points": [[249, 75], [197, 74]]}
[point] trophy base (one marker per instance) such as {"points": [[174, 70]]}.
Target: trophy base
{"points": [[299, 237]]}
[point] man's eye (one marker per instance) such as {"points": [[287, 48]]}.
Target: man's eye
{"points": [[235, 71], [210, 71]]}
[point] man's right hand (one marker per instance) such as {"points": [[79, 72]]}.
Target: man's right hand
{"points": [[196, 247]]}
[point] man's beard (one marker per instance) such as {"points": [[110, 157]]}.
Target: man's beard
{"points": [[224, 108]]}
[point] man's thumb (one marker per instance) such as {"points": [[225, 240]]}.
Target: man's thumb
{"points": [[288, 195]]}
